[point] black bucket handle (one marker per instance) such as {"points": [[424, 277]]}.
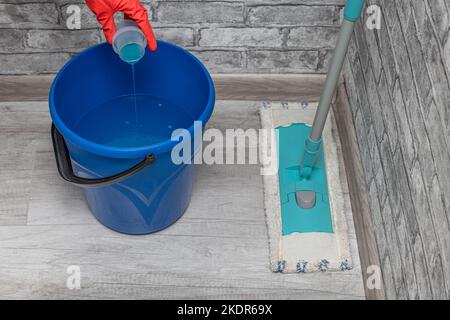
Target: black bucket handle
{"points": [[65, 169]]}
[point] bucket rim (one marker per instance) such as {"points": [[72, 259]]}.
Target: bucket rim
{"points": [[123, 152]]}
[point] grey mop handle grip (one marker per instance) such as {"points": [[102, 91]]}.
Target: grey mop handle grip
{"points": [[331, 82], [351, 14]]}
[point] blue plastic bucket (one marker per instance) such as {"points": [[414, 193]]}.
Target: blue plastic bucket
{"points": [[131, 187]]}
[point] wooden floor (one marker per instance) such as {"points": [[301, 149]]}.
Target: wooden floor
{"points": [[219, 249]]}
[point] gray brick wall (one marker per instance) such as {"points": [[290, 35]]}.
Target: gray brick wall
{"points": [[398, 81], [230, 36]]}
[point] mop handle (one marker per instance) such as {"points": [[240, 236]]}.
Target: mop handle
{"points": [[352, 13], [353, 9]]}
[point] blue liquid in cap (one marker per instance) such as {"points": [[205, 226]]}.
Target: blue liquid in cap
{"points": [[131, 53]]}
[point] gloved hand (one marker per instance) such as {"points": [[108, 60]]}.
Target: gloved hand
{"points": [[132, 9]]}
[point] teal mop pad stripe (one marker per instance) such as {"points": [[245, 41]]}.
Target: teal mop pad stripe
{"points": [[290, 151]]}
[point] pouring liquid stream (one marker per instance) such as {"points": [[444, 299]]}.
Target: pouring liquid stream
{"points": [[131, 54], [136, 118]]}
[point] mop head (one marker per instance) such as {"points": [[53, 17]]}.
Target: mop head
{"points": [[298, 243]]}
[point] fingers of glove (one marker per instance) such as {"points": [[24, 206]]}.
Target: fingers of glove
{"points": [[134, 10], [109, 29]]}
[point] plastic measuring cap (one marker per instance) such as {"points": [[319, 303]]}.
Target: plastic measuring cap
{"points": [[129, 41]]}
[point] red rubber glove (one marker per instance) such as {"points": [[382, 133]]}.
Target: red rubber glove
{"points": [[132, 9]]}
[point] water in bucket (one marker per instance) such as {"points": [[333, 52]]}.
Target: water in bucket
{"points": [[120, 128]]}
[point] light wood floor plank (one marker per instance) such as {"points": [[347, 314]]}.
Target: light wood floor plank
{"points": [[147, 266], [218, 249]]}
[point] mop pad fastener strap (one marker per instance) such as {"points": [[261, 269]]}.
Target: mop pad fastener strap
{"points": [[312, 149], [353, 9]]}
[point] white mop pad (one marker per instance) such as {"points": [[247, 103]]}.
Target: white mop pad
{"points": [[307, 252]]}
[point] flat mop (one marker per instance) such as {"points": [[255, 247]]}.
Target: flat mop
{"points": [[304, 204]]}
